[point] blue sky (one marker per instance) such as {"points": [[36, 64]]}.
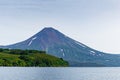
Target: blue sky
{"points": [[95, 23]]}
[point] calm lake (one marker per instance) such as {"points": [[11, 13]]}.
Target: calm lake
{"points": [[68, 73]]}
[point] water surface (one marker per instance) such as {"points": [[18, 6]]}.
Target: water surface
{"points": [[67, 73]]}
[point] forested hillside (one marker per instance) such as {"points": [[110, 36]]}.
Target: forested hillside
{"points": [[16, 57]]}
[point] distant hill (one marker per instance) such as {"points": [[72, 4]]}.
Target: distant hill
{"points": [[77, 54], [16, 57]]}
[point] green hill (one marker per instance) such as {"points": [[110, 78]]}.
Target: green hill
{"points": [[16, 57]]}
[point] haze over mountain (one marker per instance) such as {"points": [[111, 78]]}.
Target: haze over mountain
{"points": [[77, 54]]}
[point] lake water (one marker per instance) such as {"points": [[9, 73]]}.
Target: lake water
{"points": [[70, 73]]}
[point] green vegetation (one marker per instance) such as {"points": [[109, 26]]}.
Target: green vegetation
{"points": [[16, 57]]}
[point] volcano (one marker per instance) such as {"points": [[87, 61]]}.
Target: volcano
{"points": [[56, 43]]}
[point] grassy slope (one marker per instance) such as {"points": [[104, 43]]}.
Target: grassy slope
{"points": [[32, 59]]}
